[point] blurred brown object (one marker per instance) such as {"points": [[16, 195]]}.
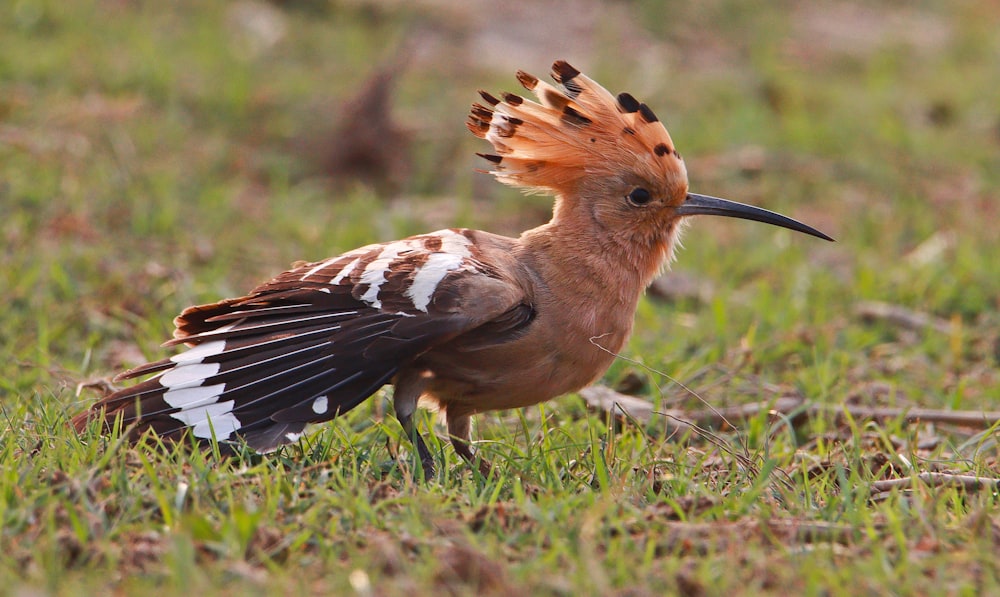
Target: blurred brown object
{"points": [[364, 142]]}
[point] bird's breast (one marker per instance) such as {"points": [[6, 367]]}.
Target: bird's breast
{"points": [[562, 350]]}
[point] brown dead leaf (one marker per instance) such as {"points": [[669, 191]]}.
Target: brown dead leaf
{"points": [[462, 565], [365, 142], [142, 551], [267, 543]]}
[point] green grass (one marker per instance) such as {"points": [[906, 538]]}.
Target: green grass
{"points": [[151, 158]]}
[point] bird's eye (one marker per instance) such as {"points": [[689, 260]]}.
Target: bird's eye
{"points": [[639, 197]]}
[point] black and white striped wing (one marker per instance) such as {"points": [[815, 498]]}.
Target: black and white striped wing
{"points": [[313, 343]]}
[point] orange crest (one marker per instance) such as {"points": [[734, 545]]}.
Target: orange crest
{"points": [[579, 129]]}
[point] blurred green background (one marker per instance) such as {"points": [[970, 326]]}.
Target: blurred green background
{"points": [[155, 154], [159, 154]]}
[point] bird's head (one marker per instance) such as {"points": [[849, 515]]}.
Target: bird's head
{"points": [[607, 159]]}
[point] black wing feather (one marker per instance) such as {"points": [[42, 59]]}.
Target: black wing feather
{"points": [[271, 363]]}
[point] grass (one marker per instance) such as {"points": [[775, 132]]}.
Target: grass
{"points": [[151, 158]]}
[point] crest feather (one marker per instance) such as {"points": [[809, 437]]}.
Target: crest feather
{"points": [[576, 128]]}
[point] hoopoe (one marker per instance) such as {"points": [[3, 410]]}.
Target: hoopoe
{"points": [[462, 320]]}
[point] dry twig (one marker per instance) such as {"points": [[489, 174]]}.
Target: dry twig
{"points": [[931, 479], [607, 400], [901, 316]]}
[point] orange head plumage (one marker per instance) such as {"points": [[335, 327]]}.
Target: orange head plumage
{"points": [[609, 161], [576, 133]]}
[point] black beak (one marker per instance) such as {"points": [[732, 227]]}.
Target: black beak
{"points": [[713, 206]]}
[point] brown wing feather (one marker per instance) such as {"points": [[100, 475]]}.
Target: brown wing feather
{"points": [[309, 345]]}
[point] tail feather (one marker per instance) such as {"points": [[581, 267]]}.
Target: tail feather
{"points": [[242, 313], [256, 371], [256, 326], [147, 369]]}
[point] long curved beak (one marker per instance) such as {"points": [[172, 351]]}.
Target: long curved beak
{"points": [[714, 206]]}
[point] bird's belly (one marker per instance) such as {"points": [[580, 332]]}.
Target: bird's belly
{"points": [[517, 374]]}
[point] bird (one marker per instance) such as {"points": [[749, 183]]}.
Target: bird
{"points": [[459, 320]]}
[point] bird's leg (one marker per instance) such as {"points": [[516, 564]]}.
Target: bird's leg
{"points": [[459, 428], [426, 459], [409, 386]]}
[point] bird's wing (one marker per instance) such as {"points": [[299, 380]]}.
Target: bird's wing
{"points": [[316, 341]]}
